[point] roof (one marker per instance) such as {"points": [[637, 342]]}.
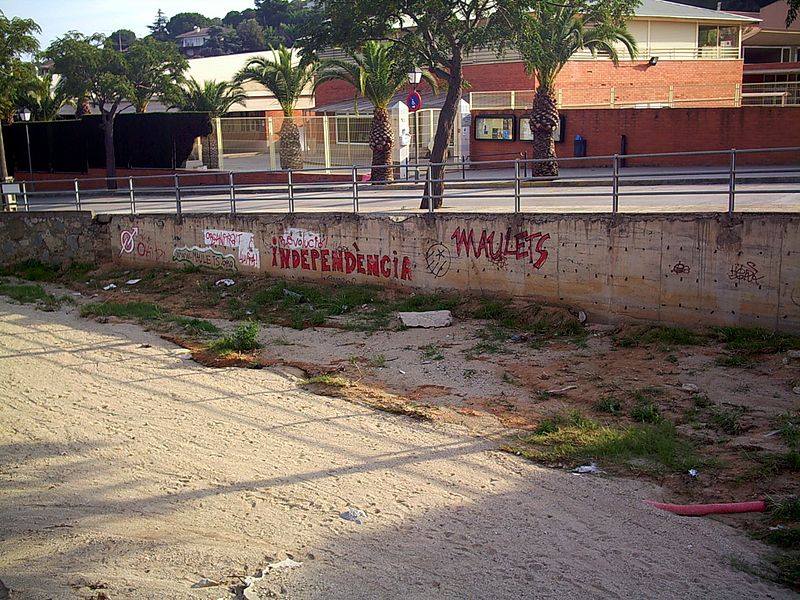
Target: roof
{"points": [[202, 32], [673, 10], [365, 108]]}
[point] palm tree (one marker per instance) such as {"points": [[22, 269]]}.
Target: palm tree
{"points": [[377, 76], [546, 38], [214, 98], [286, 81], [43, 99]]}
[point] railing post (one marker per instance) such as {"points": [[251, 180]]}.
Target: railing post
{"points": [[732, 182], [77, 196], [429, 188], [463, 168], [177, 196], [25, 196], [615, 185], [525, 163], [132, 195], [232, 192], [516, 186], [290, 191], [355, 189]]}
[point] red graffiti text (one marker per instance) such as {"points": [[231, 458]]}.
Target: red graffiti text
{"points": [[498, 248]]}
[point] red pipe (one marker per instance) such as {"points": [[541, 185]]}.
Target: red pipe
{"points": [[699, 510]]}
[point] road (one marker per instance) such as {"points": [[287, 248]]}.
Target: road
{"points": [[673, 197], [128, 470]]}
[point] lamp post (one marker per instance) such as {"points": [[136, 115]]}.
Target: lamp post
{"points": [[25, 115]]}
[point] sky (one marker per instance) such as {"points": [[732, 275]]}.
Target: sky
{"points": [[56, 17]]}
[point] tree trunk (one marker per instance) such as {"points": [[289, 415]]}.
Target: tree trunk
{"points": [[544, 119], [289, 149], [381, 142], [111, 159], [444, 133], [3, 165]]}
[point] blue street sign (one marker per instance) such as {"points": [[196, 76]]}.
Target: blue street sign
{"points": [[414, 101]]}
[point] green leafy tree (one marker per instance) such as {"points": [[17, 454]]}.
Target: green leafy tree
{"points": [[17, 38], [234, 17], [121, 39], [155, 69], [109, 78], [285, 17], [377, 73], [437, 34], [215, 98], [286, 79], [547, 36], [44, 99], [186, 21], [251, 36], [159, 27]]}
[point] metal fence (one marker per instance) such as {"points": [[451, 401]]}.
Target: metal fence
{"points": [[498, 185], [656, 96]]}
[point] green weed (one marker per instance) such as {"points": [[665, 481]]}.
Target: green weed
{"points": [[331, 380], [431, 352], [137, 311], [243, 339], [744, 340], [645, 412], [733, 360], [378, 362], [608, 405], [727, 419], [195, 327], [29, 294], [789, 427]]}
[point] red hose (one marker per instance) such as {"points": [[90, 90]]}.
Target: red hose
{"points": [[699, 510]]}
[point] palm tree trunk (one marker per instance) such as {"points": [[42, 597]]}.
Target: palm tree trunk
{"points": [[3, 165], [544, 119], [381, 142], [289, 149]]}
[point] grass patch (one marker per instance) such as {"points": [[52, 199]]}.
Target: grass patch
{"points": [[745, 340], [784, 537], [646, 412], [136, 311], [378, 362], [581, 440], [727, 419], [734, 361], [784, 510], [424, 302], [673, 336], [36, 270], [331, 380], [195, 327], [431, 352], [789, 428], [608, 405], [243, 339], [30, 294]]}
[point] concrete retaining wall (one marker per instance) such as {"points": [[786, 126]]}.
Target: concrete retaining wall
{"points": [[688, 269], [53, 237]]}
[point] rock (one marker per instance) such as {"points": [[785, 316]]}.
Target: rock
{"points": [[793, 354], [690, 387], [431, 318], [796, 389]]}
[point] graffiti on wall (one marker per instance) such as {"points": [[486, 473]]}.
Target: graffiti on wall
{"points": [[127, 240], [438, 259], [745, 272], [498, 248], [681, 269], [204, 257], [302, 239], [341, 260], [242, 241]]}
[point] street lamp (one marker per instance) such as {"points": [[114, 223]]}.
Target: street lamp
{"points": [[414, 77], [25, 115]]}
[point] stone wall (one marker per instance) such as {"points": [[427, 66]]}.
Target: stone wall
{"points": [[54, 237], [689, 269]]}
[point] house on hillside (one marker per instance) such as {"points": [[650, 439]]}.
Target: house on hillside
{"points": [[192, 42]]}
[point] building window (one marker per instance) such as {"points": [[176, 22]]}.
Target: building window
{"points": [[715, 40], [494, 127]]}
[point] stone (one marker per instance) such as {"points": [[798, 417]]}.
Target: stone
{"points": [[690, 387], [796, 390], [430, 318], [793, 354]]}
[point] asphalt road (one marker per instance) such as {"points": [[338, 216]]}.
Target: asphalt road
{"points": [[478, 197]]}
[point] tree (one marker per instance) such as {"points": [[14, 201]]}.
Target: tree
{"points": [[43, 99], [283, 16], [186, 21], [155, 69], [251, 36], [159, 27], [121, 39], [17, 37], [285, 79], [377, 74], [109, 78], [215, 98], [437, 34], [547, 36], [234, 17]]}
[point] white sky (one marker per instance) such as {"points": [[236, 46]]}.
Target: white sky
{"points": [[56, 17]]}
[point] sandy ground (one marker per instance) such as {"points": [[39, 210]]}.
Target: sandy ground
{"points": [[127, 472]]}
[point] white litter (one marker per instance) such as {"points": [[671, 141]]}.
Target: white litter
{"points": [[693, 473], [286, 563], [592, 468], [183, 353], [132, 281], [356, 515], [690, 387], [110, 286], [225, 282], [204, 583], [76, 293]]}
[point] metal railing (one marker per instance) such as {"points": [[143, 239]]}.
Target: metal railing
{"points": [[609, 183], [628, 96]]}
